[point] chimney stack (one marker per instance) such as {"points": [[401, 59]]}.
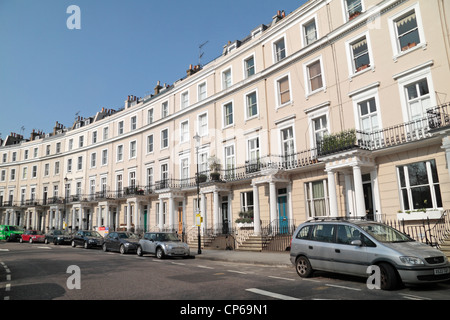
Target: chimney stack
{"points": [[158, 87]]}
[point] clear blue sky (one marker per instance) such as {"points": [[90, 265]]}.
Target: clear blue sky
{"points": [[48, 73]]}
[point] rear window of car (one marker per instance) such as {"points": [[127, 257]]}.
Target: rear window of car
{"points": [[303, 233]]}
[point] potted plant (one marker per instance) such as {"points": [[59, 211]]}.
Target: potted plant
{"points": [[214, 167]]}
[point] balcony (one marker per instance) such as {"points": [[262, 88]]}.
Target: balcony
{"points": [[437, 119]]}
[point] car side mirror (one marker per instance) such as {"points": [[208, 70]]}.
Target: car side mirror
{"points": [[356, 243]]}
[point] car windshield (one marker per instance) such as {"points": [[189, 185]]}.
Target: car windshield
{"points": [[385, 233], [167, 237], [14, 228], [92, 234], [128, 235]]}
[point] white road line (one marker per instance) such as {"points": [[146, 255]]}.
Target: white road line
{"points": [[4, 249], [281, 278], [179, 263], [271, 294], [205, 267], [8, 277], [8, 287], [43, 247], [237, 271], [412, 297], [342, 287]]}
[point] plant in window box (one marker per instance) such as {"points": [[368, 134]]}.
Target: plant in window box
{"points": [[201, 178], [408, 46], [245, 217], [354, 15], [360, 68], [337, 142], [214, 166]]}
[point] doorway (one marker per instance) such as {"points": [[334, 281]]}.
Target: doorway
{"points": [[225, 221], [368, 196], [283, 223]]}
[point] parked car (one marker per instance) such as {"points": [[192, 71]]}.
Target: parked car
{"points": [[162, 244], [32, 236], [10, 233], [123, 242], [351, 246], [87, 239], [58, 237]]}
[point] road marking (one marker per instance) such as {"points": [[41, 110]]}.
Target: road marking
{"points": [[412, 297], [43, 247], [205, 267], [4, 249], [179, 263], [271, 294], [237, 271], [8, 287], [281, 278], [8, 277], [342, 287]]}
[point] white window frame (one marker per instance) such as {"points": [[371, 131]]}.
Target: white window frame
{"points": [[150, 115], [245, 67], [306, 65], [309, 198], [275, 54], [202, 91], [93, 160], [345, 10], [184, 100], [226, 84], [133, 151], [162, 147], [133, 123], [350, 58], [396, 50], [104, 161], [303, 30], [246, 106], [224, 125], [164, 109], [278, 103], [150, 145], [202, 129], [184, 169], [313, 114], [184, 131], [371, 92], [119, 153]]}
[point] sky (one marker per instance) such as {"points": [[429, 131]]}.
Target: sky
{"points": [[50, 72]]}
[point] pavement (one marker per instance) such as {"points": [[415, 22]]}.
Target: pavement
{"points": [[280, 259]]}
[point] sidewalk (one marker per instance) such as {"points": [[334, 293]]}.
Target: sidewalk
{"points": [[260, 258]]}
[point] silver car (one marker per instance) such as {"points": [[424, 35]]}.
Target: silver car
{"points": [[162, 244], [351, 246]]}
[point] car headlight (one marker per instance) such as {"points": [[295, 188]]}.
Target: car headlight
{"points": [[411, 261]]}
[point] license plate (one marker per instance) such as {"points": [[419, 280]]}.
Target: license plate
{"points": [[441, 271]]}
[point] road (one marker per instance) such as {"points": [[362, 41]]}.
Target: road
{"points": [[40, 272]]}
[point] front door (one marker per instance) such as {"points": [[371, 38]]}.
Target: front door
{"points": [[145, 220], [368, 196], [282, 214], [180, 220], [225, 221]]}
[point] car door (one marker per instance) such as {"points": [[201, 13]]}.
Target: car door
{"points": [[79, 238], [320, 247], [152, 242], [114, 241], [349, 258], [145, 242]]}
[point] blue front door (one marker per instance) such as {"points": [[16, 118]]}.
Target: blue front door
{"points": [[282, 215]]}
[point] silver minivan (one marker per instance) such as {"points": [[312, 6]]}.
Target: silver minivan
{"points": [[351, 246]]}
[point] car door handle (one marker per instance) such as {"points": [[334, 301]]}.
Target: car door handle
{"points": [[310, 247], [337, 250]]}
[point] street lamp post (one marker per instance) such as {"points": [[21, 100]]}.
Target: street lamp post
{"points": [[197, 145]]}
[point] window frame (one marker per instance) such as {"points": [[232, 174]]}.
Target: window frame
{"points": [[224, 114], [306, 70], [276, 52], [246, 104], [278, 101]]}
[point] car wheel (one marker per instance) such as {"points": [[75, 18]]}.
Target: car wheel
{"points": [[303, 267], [389, 279], [104, 247], [139, 251], [73, 243], [122, 249], [160, 253]]}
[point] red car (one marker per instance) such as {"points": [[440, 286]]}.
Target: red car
{"points": [[32, 236]]}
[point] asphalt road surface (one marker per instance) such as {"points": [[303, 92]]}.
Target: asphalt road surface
{"points": [[49, 272]]}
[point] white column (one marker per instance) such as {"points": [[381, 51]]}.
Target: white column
{"points": [[359, 193], [107, 218], [161, 215], [216, 204], [128, 216], [332, 194], [256, 213], [171, 211], [273, 202], [203, 211], [349, 195], [446, 147]]}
